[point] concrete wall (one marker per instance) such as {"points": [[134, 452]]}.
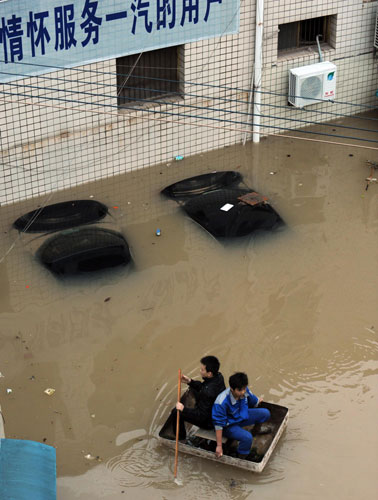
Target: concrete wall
{"points": [[63, 129], [350, 49]]}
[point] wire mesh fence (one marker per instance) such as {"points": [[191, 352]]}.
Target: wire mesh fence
{"points": [[68, 126]]}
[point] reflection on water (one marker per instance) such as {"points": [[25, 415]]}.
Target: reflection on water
{"points": [[296, 310]]}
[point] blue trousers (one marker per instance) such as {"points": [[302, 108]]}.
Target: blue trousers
{"points": [[245, 438]]}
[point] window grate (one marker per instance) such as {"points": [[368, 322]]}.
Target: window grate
{"points": [[148, 76], [303, 33]]}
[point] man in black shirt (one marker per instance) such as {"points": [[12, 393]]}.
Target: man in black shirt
{"points": [[205, 394]]}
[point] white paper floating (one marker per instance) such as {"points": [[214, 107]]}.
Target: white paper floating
{"points": [[227, 207]]}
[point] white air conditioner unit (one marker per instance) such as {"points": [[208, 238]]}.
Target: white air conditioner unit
{"points": [[308, 84], [376, 33]]}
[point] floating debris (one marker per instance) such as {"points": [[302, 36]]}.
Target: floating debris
{"points": [[93, 415], [158, 232], [91, 457], [226, 207], [1, 375], [49, 391], [179, 157], [373, 166], [107, 299], [9, 391]]}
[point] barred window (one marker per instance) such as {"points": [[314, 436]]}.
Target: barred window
{"points": [[148, 76], [301, 34]]}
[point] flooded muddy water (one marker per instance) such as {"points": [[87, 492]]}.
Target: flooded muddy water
{"points": [[296, 310]]}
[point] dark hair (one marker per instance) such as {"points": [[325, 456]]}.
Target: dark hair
{"points": [[211, 364], [238, 380]]}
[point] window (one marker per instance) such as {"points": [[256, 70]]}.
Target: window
{"points": [[148, 76], [303, 33]]}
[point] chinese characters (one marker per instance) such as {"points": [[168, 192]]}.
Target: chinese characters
{"points": [[83, 23]]}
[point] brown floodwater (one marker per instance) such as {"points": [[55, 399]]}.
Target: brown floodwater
{"points": [[297, 310]]}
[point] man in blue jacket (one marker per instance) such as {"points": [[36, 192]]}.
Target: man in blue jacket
{"points": [[234, 409]]}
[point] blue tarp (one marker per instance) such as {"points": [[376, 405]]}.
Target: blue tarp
{"points": [[27, 470]]}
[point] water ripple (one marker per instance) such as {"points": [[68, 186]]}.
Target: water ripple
{"points": [[339, 372], [137, 466], [146, 464]]}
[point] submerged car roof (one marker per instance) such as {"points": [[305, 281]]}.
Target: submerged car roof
{"points": [[194, 186], [60, 216], [223, 205]]}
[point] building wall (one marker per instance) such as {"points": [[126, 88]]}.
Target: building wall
{"points": [[351, 50], [63, 129]]}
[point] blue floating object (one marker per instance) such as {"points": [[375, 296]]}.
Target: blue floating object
{"points": [[158, 232], [28, 470], [179, 157]]}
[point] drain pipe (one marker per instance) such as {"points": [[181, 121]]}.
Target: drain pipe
{"points": [[249, 104], [257, 70], [319, 49]]}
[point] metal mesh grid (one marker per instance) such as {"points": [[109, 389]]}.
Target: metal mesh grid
{"points": [[65, 128]]}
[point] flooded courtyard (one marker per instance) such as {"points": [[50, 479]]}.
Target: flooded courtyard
{"points": [[296, 310]]}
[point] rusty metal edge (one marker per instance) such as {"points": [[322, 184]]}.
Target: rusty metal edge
{"points": [[2, 431], [235, 462]]}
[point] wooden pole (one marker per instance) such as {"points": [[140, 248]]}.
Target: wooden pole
{"points": [[177, 421]]}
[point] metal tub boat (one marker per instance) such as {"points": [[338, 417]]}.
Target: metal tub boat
{"points": [[202, 443]]}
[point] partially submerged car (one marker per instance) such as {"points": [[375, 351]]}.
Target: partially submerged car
{"points": [[73, 237], [83, 250], [60, 216], [223, 205]]}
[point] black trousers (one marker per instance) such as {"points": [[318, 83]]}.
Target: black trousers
{"points": [[192, 416]]}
